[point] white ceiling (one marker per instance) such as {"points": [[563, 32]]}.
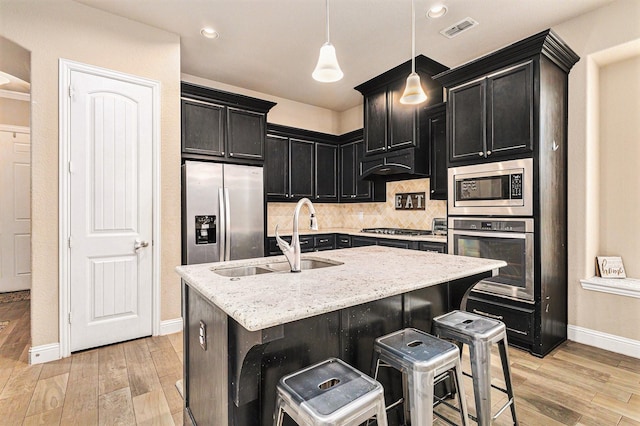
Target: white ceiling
{"points": [[271, 46]]}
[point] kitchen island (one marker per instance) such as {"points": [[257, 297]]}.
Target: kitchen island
{"points": [[242, 333]]}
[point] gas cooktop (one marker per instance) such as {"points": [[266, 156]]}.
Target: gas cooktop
{"points": [[397, 231]]}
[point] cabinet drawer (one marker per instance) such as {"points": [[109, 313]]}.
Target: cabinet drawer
{"points": [[344, 241], [519, 321], [429, 246], [394, 243], [272, 246], [306, 243], [324, 242]]}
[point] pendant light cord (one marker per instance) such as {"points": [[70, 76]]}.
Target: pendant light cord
{"points": [[327, 9], [413, 36]]}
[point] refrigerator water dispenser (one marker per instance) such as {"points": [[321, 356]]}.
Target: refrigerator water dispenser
{"points": [[206, 229]]}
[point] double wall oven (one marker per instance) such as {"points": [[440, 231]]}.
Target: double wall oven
{"points": [[490, 216]]}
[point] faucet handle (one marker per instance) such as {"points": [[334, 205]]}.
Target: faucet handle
{"points": [[284, 246]]}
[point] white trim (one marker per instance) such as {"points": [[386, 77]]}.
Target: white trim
{"points": [[15, 129], [18, 96], [609, 342], [629, 287], [44, 353], [65, 68], [171, 326]]}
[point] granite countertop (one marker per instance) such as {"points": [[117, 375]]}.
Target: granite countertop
{"points": [[368, 273], [358, 233]]}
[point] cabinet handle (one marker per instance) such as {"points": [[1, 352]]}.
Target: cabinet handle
{"points": [[324, 241], [304, 242], [222, 152], [230, 154], [286, 195], [481, 154], [384, 148], [488, 152], [498, 317], [433, 190], [353, 196], [524, 333]]}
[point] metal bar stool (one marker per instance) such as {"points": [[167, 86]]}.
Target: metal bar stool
{"points": [[424, 360], [480, 333], [330, 393]]}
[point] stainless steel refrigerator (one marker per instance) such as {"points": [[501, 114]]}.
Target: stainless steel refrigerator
{"points": [[222, 212]]}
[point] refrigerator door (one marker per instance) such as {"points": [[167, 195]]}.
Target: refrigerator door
{"points": [[201, 217], [245, 222]]}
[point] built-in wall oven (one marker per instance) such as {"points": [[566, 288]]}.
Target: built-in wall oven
{"points": [[507, 239]]}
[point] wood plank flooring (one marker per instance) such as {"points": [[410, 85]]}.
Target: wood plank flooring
{"points": [[133, 383]]}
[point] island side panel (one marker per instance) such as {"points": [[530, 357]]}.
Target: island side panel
{"points": [[205, 366]]}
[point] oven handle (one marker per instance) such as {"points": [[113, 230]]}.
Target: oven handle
{"points": [[492, 234]]}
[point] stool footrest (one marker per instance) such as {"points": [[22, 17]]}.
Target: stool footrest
{"points": [[504, 407]]}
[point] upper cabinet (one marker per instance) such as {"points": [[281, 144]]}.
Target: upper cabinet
{"points": [[396, 137], [493, 116], [437, 125], [222, 125], [497, 104], [352, 188]]}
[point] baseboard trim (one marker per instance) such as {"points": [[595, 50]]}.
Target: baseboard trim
{"points": [[44, 353], [609, 342], [171, 326]]}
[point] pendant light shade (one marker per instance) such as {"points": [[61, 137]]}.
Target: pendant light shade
{"points": [[327, 69], [413, 93]]}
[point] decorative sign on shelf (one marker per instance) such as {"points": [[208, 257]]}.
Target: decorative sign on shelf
{"points": [[610, 267], [410, 201]]}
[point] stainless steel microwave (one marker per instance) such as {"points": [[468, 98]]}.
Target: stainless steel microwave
{"points": [[503, 188]]}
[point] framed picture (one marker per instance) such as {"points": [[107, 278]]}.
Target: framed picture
{"points": [[610, 267]]}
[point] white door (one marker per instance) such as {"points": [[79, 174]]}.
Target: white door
{"points": [[15, 211], [111, 217]]}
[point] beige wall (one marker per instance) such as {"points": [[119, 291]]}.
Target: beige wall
{"points": [[615, 25], [14, 112], [64, 29]]}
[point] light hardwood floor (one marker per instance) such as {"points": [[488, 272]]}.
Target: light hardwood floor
{"points": [[134, 383]]}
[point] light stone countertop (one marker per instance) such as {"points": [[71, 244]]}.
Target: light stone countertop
{"points": [[367, 273], [358, 233]]}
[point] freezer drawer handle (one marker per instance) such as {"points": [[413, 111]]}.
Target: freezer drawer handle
{"points": [[498, 317], [518, 331]]}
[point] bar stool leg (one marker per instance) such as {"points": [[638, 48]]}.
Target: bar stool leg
{"points": [[278, 414], [481, 370], [421, 401], [504, 357], [458, 376], [381, 415]]}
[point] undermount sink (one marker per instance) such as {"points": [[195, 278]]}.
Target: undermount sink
{"points": [[304, 264], [242, 271], [246, 271]]}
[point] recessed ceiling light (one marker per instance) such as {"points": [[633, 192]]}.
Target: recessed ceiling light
{"points": [[209, 32], [437, 11]]}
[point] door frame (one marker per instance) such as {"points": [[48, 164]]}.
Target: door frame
{"points": [[65, 68]]}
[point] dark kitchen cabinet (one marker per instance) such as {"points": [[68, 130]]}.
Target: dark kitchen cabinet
{"points": [[392, 129], [352, 188], [493, 116], [516, 99], [222, 125], [343, 241], [276, 167], [362, 241], [437, 124], [326, 172], [432, 246], [301, 163]]}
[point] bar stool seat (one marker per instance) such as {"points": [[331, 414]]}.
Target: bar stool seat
{"points": [[330, 393], [421, 358], [479, 333]]}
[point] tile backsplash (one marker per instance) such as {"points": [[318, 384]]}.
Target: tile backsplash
{"points": [[365, 215]]}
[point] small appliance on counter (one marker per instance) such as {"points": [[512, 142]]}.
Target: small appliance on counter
{"points": [[439, 226]]}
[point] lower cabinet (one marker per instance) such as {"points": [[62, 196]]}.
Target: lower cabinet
{"points": [[310, 243], [432, 246], [517, 317]]}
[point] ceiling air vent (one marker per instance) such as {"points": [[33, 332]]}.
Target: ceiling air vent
{"points": [[455, 29]]}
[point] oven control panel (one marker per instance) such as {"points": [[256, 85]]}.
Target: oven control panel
{"points": [[497, 225]]}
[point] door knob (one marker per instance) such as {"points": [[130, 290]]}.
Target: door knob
{"points": [[138, 244]]}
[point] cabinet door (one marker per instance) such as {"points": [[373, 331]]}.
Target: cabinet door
{"points": [[301, 165], [348, 167], [438, 139], [375, 121], [362, 241], [326, 178], [466, 105], [402, 119], [510, 110], [394, 243], [363, 188], [431, 246], [202, 128], [276, 167], [245, 134]]}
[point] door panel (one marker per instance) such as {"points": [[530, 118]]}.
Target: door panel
{"points": [[110, 197], [15, 211]]}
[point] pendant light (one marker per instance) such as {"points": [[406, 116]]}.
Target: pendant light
{"points": [[327, 70], [413, 93]]}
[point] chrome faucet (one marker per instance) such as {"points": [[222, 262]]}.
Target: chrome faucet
{"points": [[292, 251]]}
